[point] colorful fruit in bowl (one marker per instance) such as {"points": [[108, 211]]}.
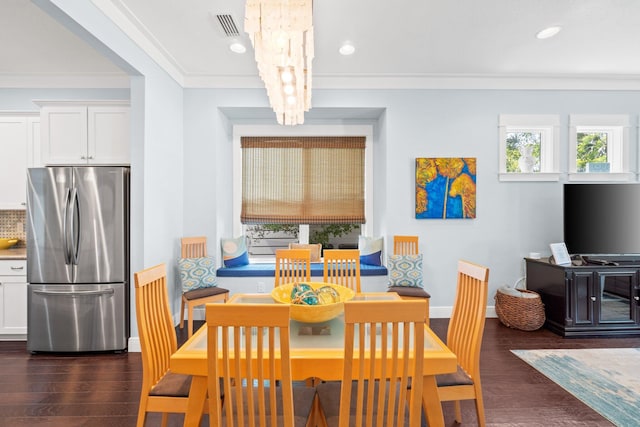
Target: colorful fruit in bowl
{"points": [[302, 293], [313, 302]]}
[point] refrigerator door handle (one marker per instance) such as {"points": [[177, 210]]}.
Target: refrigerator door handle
{"points": [[73, 231], [65, 228], [76, 293]]}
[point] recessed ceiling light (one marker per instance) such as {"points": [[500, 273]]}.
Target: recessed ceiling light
{"points": [[237, 47], [347, 49], [548, 32]]}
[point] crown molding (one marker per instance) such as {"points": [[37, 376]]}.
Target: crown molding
{"points": [[64, 81], [432, 81], [124, 19]]}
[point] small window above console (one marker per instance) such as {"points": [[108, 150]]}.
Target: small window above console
{"points": [[599, 147], [529, 147]]}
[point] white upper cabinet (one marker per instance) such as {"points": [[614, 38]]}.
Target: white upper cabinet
{"points": [[74, 133], [17, 135]]}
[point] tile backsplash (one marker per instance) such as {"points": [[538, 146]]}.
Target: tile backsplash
{"points": [[10, 226]]}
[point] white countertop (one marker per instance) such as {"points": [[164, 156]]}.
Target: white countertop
{"points": [[13, 253]]}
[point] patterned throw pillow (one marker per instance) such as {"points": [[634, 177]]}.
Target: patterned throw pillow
{"points": [[370, 250], [196, 273], [405, 270], [234, 252]]}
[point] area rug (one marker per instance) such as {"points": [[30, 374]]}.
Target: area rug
{"points": [[607, 380]]}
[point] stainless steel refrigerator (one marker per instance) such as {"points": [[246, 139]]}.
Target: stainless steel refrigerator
{"points": [[78, 259]]}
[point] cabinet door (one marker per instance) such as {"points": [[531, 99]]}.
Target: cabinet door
{"points": [[14, 306], [34, 140], [13, 172], [108, 135], [616, 293], [583, 300], [64, 135]]}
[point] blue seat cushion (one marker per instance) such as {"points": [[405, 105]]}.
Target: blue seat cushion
{"points": [[268, 270]]}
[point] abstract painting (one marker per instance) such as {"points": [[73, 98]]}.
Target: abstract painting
{"points": [[446, 187]]}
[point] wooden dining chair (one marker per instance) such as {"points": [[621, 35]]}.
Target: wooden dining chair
{"points": [[292, 265], [376, 393], [405, 245], [162, 390], [196, 247], [342, 267], [249, 364], [464, 338], [408, 245]]}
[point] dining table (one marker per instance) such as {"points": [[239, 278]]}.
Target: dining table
{"points": [[316, 351]]}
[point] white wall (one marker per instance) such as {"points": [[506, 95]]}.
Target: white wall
{"points": [[513, 218]]}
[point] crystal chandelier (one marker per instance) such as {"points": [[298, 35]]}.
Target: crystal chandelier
{"points": [[281, 32]]}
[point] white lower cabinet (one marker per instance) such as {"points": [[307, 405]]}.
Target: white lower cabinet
{"points": [[13, 299]]}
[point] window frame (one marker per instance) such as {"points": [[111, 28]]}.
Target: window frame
{"points": [[548, 126], [301, 131], [617, 126]]}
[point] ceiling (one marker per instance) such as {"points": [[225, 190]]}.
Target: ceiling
{"points": [[400, 43]]}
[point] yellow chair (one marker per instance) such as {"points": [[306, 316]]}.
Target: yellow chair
{"points": [[405, 245], [464, 338], [196, 247], [315, 248], [162, 390], [408, 245], [342, 267], [292, 265], [366, 395], [242, 340]]}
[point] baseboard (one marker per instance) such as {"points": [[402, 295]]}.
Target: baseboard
{"points": [[134, 345]]}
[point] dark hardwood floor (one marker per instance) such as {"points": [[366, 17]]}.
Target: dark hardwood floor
{"points": [[103, 389]]}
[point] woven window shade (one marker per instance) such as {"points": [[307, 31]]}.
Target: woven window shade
{"points": [[303, 180]]}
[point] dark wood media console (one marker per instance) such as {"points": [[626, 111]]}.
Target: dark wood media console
{"points": [[591, 299]]}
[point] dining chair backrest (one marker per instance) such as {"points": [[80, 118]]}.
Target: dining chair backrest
{"points": [[466, 326], [292, 265], [157, 343], [193, 247], [342, 267], [398, 346], [464, 338], [196, 247], [405, 245], [242, 343]]}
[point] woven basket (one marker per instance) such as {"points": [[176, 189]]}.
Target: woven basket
{"points": [[526, 314]]}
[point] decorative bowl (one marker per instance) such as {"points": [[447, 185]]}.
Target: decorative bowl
{"points": [[7, 243], [313, 313]]}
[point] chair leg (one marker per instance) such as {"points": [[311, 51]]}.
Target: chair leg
{"points": [[182, 313], [165, 419], [142, 412], [189, 320], [458, 411], [479, 405]]}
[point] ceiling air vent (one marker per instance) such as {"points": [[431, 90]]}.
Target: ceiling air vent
{"points": [[228, 25]]}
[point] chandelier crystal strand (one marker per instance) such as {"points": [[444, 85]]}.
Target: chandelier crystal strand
{"points": [[281, 32]]}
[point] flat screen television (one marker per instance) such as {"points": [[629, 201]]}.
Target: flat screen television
{"points": [[602, 219]]}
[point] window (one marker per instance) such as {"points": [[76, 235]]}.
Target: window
{"points": [[291, 184], [302, 180], [599, 148], [529, 148]]}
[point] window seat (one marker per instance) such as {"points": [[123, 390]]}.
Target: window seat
{"points": [[268, 270], [259, 278]]}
